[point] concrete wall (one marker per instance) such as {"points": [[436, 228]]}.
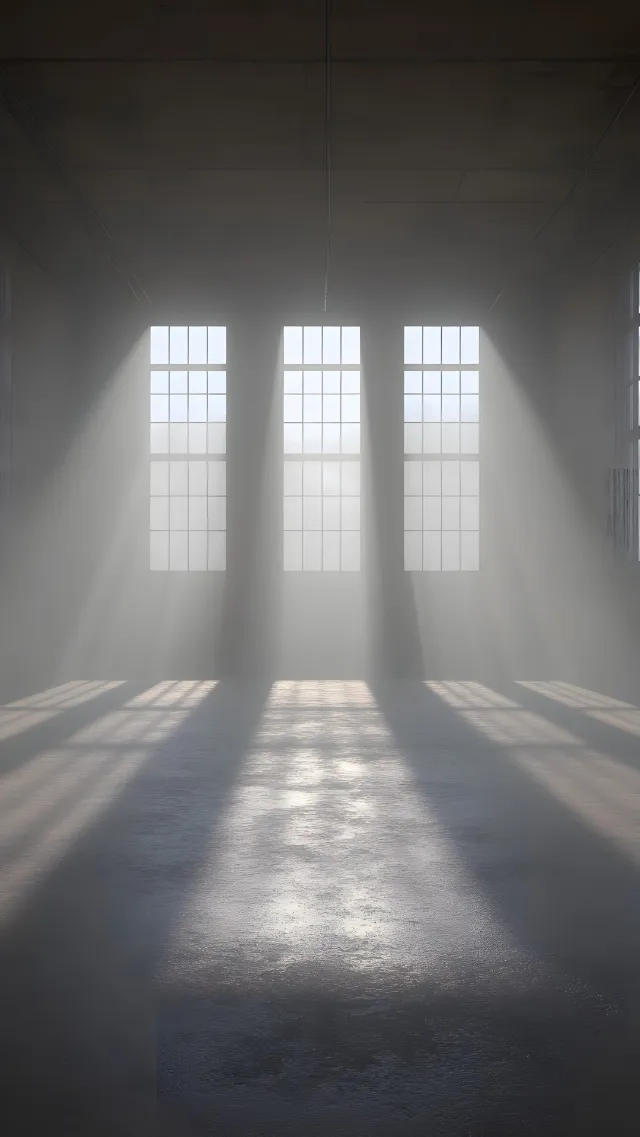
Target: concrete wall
{"points": [[40, 356]]}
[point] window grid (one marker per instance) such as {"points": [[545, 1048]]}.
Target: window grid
{"points": [[188, 412], [321, 434], [441, 444]]}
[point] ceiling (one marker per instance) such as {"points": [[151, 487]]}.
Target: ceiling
{"points": [[176, 150]]}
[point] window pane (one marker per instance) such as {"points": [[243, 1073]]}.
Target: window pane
{"points": [[432, 382], [312, 479], [331, 345], [450, 438], [312, 345], [217, 438], [432, 551], [159, 382], [198, 346], [159, 345], [331, 408], [451, 345], [450, 552], [470, 513], [470, 382], [350, 382], [197, 438], [217, 346], [412, 345], [159, 438], [178, 438], [293, 382], [432, 477], [216, 408], [470, 551], [197, 382], [432, 438], [331, 551], [331, 513], [331, 438], [450, 479], [450, 408], [431, 408], [469, 438], [351, 346], [217, 551], [293, 408], [178, 382], [198, 477], [450, 512], [413, 513], [470, 345], [413, 382], [178, 408], [431, 349], [217, 382], [413, 408], [350, 513], [350, 552], [178, 478], [292, 345], [413, 438], [159, 408], [350, 438], [197, 551], [331, 478], [331, 382], [217, 513], [178, 513], [432, 513], [312, 382], [312, 408], [197, 513], [311, 551], [450, 382], [469, 408], [178, 345], [292, 438], [312, 438], [197, 408]]}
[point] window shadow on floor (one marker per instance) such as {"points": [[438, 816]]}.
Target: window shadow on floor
{"points": [[78, 1016]]}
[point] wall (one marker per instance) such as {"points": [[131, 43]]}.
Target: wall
{"points": [[40, 336], [590, 411]]}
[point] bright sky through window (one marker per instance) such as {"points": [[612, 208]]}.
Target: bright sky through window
{"points": [[188, 412], [321, 424], [441, 447]]}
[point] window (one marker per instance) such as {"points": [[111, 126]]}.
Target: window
{"points": [[321, 449], [441, 446], [188, 412]]}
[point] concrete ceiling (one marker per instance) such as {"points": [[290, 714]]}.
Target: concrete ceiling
{"points": [[178, 149]]}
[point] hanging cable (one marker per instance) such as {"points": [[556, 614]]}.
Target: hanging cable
{"points": [[327, 148]]}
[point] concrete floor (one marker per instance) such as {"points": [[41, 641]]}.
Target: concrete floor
{"points": [[320, 908]]}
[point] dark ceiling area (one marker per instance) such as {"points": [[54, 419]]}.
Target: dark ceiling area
{"points": [[179, 151]]}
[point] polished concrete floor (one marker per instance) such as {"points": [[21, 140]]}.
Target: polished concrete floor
{"points": [[309, 908]]}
